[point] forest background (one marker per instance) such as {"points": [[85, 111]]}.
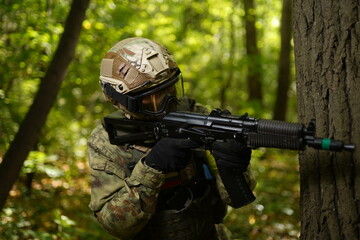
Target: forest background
{"points": [[218, 54]]}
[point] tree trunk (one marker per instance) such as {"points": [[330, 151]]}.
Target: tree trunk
{"points": [[35, 118], [252, 50], [327, 40], [284, 67], [230, 70]]}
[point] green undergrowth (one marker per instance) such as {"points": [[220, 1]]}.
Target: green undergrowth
{"points": [[55, 207]]}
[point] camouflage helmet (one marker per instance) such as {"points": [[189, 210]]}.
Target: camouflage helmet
{"points": [[139, 75]]}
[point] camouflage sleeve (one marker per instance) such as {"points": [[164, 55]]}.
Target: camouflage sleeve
{"points": [[123, 202]]}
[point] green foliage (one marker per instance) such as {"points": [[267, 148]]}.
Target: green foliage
{"points": [[40, 162], [207, 40], [275, 212], [55, 209]]}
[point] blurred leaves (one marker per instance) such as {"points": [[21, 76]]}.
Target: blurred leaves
{"points": [[41, 163]]}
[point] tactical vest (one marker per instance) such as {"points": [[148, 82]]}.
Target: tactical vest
{"points": [[188, 210], [188, 207]]}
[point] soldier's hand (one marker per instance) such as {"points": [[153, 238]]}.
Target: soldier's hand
{"points": [[231, 154], [170, 154]]}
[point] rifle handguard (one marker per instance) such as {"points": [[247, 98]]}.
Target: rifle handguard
{"points": [[277, 134]]}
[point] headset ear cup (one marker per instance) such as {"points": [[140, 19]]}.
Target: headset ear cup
{"points": [[171, 106]]}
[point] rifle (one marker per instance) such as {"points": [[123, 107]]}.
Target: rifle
{"points": [[222, 126]]}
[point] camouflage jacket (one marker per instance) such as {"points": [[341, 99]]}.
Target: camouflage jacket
{"points": [[124, 190]]}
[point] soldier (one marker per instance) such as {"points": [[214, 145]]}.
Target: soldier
{"points": [[165, 190]]}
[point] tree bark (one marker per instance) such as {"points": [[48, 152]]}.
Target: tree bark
{"points": [[35, 118], [227, 81], [327, 59], [284, 76], [254, 63]]}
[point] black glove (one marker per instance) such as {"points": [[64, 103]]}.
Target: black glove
{"points": [[231, 154], [170, 154]]}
